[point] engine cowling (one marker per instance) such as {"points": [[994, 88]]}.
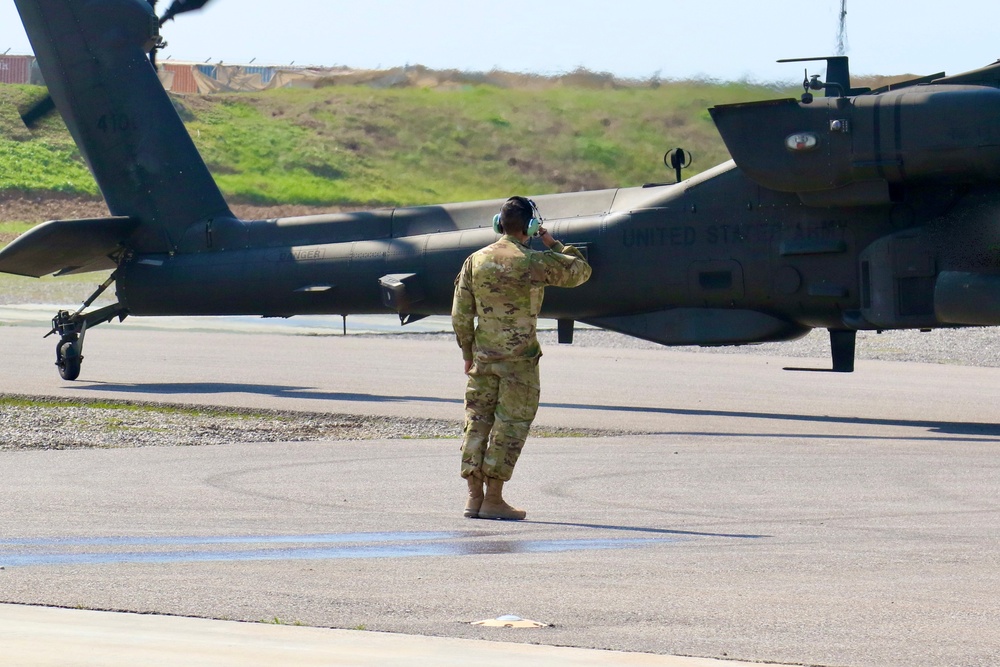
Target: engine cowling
{"points": [[846, 151]]}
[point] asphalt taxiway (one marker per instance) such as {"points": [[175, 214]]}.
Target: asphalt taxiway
{"points": [[754, 514]]}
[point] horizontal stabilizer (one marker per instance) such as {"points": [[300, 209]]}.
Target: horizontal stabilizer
{"points": [[67, 246]]}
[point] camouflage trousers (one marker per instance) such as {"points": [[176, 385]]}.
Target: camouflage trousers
{"points": [[501, 400]]}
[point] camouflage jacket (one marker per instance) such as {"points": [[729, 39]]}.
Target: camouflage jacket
{"points": [[503, 285]]}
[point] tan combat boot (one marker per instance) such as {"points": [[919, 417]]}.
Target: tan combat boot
{"points": [[475, 499], [494, 507]]}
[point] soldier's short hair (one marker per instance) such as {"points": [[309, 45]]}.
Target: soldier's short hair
{"points": [[515, 215]]}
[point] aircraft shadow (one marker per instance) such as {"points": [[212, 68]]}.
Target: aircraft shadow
{"points": [[311, 393], [958, 428], [277, 391]]}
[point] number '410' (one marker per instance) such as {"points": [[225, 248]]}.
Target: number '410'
{"points": [[115, 122]]}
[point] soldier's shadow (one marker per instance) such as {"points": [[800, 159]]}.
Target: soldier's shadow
{"points": [[640, 529]]}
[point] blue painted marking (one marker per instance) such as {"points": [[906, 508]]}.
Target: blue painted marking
{"points": [[230, 539], [27, 552]]}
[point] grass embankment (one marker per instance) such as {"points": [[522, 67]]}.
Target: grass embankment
{"points": [[361, 146], [44, 160], [13, 229]]}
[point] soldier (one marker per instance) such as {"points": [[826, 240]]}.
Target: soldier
{"points": [[502, 285]]}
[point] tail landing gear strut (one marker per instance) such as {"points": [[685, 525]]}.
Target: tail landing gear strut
{"points": [[72, 327]]}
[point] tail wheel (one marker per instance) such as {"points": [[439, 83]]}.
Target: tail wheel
{"points": [[69, 359]]}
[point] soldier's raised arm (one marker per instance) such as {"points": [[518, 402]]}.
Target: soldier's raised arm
{"points": [[565, 265]]}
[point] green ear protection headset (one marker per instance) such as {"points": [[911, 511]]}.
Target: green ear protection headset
{"points": [[533, 225]]}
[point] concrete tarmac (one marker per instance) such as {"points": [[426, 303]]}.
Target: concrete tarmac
{"points": [[46, 637], [755, 514]]}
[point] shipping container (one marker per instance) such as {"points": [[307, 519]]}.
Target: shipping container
{"points": [[266, 73], [15, 69], [183, 79]]}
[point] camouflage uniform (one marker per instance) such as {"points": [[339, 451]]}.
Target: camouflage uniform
{"points": [[503, 285]]}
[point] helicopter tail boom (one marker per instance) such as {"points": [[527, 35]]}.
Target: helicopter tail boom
{"points": [[93, 56]]}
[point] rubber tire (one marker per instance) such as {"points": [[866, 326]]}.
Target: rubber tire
{"points": [[69, 360]]}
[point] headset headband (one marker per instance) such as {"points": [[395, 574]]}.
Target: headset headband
{"points": [[534, 224]]}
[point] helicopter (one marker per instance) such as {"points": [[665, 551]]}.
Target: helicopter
{"points": [[852, 210]]}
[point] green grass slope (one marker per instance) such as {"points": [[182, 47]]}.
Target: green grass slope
{"points": [[43, 160], [362, 146]]}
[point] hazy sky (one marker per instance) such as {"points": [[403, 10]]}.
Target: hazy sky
{"points": [[722, 39]]}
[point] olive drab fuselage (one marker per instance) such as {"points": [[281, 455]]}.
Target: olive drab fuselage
{"points": [[854, 211]]}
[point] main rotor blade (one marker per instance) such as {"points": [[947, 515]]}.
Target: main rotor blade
{"points": [[39, 111], [181, 6]]}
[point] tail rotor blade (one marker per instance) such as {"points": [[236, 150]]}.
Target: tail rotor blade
{"points": [[39, 111], [181, 6]]}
